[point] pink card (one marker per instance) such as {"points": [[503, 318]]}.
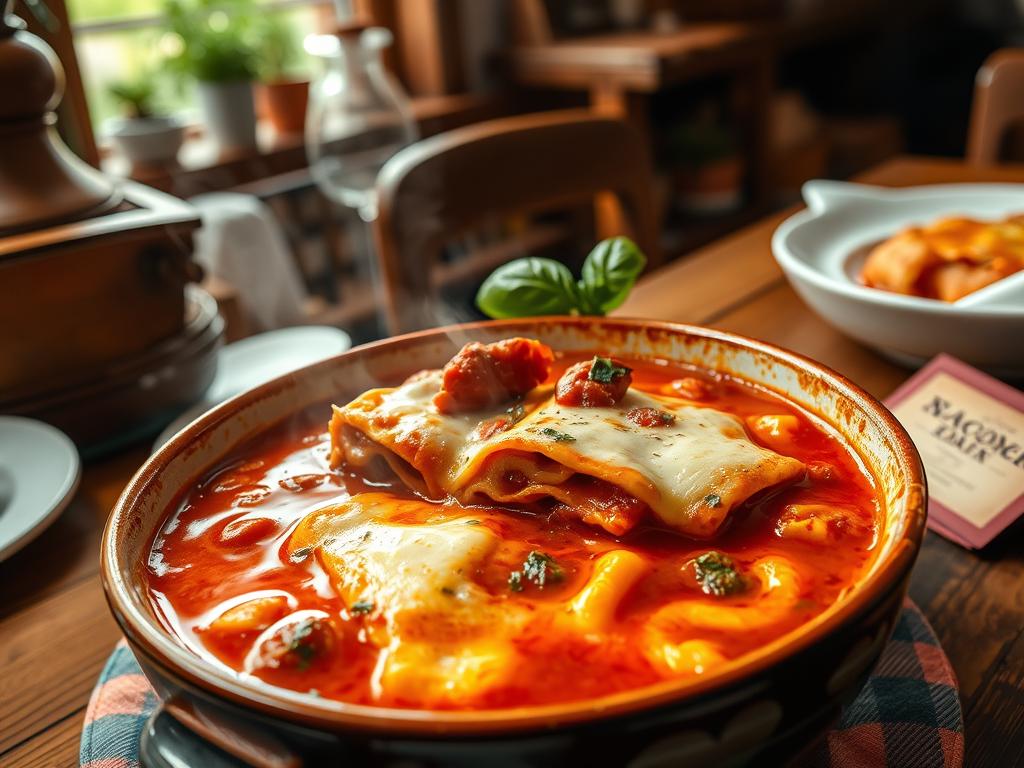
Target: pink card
{"points": [[969, 429]]}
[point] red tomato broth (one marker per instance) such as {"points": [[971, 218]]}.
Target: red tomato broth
{"points": [[195, 574]]}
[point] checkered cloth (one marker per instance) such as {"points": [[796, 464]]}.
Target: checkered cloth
{"points": [[907, 716]]}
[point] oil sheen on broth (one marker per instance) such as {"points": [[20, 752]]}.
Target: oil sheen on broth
{"points": [[348, 584]]}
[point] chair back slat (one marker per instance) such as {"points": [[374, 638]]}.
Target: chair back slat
{"points": [[441, 188], [998, 105]]}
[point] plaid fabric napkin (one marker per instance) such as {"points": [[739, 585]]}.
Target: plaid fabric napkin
{"points": [[907, 716]]}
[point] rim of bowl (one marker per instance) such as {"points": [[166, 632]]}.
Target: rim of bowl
{"points": [[794, 265], [167, 652]]}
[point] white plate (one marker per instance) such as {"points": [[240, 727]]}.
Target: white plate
{"points": [[39, 472], [814, 247], [258, 359]]}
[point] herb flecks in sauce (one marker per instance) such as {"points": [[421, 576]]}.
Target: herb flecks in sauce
{"points": [[362, 606], [301, 643], [516, 413], [539, 569], [717, 574]]}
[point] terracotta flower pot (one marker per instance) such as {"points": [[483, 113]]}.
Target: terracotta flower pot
{"points": [[283, 103], [714, 187]]}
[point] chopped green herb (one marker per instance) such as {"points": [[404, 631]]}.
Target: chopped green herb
{"points": [[717, 574], [448, 591], [604, 371], [713, 500], [516, 412], [299, 645], [541, 569], [302, 630], [666, 417], [558, 437], [362, 606], [473, 522], [300, 554], [515, 581]]}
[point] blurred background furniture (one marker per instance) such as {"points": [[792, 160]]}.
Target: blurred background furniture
{"points": [[442, 187], [737, 104], [997, 114], [105, 337], [52, 590]]}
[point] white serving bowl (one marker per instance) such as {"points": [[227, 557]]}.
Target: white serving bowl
{"points": [[820, 250]]}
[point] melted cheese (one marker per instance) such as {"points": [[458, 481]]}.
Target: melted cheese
{"points": [[443, 638], [691, 473]]}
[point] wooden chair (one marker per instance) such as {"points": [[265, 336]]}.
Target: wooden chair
{"points": [[998, 105], [444, 186]]}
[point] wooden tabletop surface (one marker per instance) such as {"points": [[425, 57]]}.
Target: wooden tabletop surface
{"points": [[56, 631]]}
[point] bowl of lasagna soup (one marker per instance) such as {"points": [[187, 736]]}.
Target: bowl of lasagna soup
{"points": [[532, 542]]}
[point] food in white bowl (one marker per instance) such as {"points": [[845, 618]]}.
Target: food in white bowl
{"points": [[821, 251], [947, 259]]}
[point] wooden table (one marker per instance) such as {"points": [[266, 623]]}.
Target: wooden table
{"points": [[56, 631], [975, 602]]}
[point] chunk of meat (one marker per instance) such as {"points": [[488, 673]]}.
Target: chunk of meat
{"points": [[484, 375], [251, 616], [690, 387], [597, 502], [246, 531], [597, 383], [897, 264], [297, 643], [956, 279]]}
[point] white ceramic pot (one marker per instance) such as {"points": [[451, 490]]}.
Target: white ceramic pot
{"points": [[230, 113], [148, 140], [820, 250]]}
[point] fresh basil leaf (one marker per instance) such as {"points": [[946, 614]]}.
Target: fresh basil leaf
{"points": [[609, 273], [530, 286], [604, 371]]}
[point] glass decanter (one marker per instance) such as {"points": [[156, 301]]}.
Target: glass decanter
{"points": [[358, 117]]}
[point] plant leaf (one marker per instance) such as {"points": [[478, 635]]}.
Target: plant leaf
{"points": [[530, 286], [609, 273]]}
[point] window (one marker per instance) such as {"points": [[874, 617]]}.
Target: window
{"points": [[119, 39]]}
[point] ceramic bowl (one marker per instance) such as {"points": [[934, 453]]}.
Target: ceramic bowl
{"points": [[822, 248], [767, 704]]}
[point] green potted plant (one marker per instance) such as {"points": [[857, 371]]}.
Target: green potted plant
{"points": [[283, 92], [708, 167], [217, 49], [144, 135]]}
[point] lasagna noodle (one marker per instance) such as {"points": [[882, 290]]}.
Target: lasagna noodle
{"points": [[443, 639], [690, 473]]}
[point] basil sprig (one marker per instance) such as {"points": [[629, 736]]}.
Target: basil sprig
{"points": [[537, 286], [604, 371]]}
